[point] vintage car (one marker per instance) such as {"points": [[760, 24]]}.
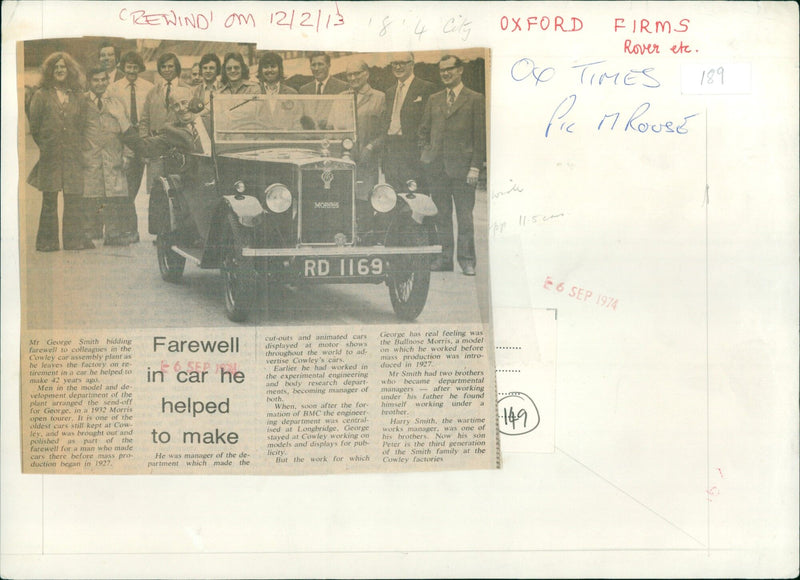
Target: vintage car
{"points": [[272, 200]]}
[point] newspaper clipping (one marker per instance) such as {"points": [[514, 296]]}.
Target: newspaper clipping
{"points": [[247, 261]]}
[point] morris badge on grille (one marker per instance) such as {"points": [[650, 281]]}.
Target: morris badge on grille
{"points": [[327, 177]]}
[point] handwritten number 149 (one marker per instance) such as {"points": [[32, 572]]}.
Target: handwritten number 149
{"points": [[511, 418], [712, 75]]}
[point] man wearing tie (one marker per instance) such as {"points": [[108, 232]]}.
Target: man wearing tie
{"points": [[132, 92], [105, 189], [157, 112], [453, 140], [405, 103], [323, 83]]}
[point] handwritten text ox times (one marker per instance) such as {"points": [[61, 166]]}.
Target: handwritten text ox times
{"points": [[598, 75]]}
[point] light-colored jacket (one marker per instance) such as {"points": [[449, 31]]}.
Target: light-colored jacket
{"points": [[103, 175]]}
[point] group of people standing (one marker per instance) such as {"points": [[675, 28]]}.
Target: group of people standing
{"points": [[410, 132], [413, 132], [439, 139]]}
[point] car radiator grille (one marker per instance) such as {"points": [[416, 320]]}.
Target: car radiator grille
{"points": [[326, 204]]}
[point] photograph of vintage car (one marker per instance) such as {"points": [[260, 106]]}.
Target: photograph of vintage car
{"points": [[278, 188], [270, 198]]}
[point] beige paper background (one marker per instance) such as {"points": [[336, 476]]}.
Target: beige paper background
{"points": [[689, 385]]}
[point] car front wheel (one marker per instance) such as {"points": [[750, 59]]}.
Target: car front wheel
{"points": [[408, 281], [238, 273], [170, 264]]}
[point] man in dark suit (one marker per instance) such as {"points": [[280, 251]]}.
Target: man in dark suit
{"points": [[453, 141], [405, 103], [323, 83]]}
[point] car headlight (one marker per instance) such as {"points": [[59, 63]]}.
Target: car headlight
{"points": [[383, 198], [347, 144], [239, 186], [277, 198]]}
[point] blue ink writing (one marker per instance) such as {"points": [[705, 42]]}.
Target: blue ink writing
{"points": [[525, 68], [594, 76], [557, 114]]}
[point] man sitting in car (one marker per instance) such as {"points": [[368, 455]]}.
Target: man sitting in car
{"points": [[187, 134]]}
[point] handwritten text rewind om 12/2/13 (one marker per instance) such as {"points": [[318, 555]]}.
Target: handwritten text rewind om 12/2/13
{"points": [[308, 20]]}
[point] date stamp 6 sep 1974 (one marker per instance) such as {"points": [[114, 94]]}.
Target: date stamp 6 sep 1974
{"points": [[581, 294]]}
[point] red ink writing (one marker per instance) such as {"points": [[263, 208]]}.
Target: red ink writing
{"points": [[195, 366], [680, 48], [714, 491], [646, 26], [235, 18], [196, 20], [319, 19], [581, 294], [636, 48], [542, 23]]}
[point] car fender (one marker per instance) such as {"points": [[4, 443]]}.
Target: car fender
{"points": [[246, 208], [160, 213], [421, 205]]}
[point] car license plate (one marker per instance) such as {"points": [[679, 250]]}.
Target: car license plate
{"points": [[342, 267]]}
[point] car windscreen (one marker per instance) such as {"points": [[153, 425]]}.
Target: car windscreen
{"points": [[260, 118]]}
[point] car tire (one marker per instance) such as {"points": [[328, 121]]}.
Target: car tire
{"points": [[238, 273], [408, 280], [170, 264]]}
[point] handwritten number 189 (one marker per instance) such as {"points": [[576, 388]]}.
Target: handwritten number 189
{"points": [[707, 76]]}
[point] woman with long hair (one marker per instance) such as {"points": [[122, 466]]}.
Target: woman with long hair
{"points": [[55, 122]]}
